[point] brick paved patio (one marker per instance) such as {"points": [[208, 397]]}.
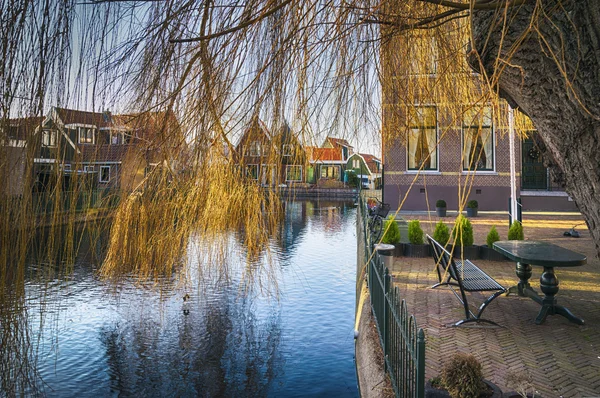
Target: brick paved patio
{"points": [[562, 358]]}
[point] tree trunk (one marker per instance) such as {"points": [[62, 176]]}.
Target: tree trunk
{"points": [[554, 78]]}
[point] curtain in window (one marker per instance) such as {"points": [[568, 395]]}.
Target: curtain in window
{"points": [[413, 139], [432, 145], [488, 147], [468, 148]]}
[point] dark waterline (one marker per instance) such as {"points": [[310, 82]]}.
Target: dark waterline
{"points": [[98, 340]]}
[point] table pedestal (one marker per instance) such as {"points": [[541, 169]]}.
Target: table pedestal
{"points": [[549, 286], [523, 288]]}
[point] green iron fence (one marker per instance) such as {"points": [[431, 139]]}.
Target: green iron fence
{"points": [[403, 343]]}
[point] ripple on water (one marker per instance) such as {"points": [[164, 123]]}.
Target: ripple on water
{"points": [[99, 339]]}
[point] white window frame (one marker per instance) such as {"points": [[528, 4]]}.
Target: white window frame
{"points": [[287, 149], [287, 167], [413, 61], [254, 149], [80, 130], [418, 169], [49, 138], [100, 175], [492, 139], [257, 171]]}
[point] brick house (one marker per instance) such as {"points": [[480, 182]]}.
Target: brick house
{"points": [[449, 138], [271, 158], [101, 150]]}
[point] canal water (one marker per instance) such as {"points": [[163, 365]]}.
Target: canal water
{"points": [[291, 335]]}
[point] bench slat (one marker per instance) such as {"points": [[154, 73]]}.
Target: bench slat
{"points": [[468, 277]]}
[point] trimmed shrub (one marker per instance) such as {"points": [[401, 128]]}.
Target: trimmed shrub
{"points": [[472, 204], [353, 180], [440, 203], [463, 231], [515, 232], [441, 233], [492, 236], [392, 231], [462, 377], [415, 233]]}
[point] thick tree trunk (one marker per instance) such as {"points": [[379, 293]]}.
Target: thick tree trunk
{"points": [[554, 77]]}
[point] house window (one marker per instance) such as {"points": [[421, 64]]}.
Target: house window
{"points": [[85, 135], [88, 169], [422, 138], [478, 139], [423, 55], [104, 174], [49, 138], [66, 167], [288, 149], [355, 164], [252, 171], [330, 172], [293, 173], [254, 149]]}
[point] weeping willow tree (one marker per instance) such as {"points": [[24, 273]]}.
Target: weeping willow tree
{"points": [[317, 67]]}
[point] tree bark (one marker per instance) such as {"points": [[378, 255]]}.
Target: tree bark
{"points": [[553, 77]]}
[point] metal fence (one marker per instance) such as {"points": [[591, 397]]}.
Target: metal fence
{"points": [[402, 341]]}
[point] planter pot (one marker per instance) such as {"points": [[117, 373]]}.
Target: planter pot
{"points": [[399, 251], [432, 392], [470, 252], [472, 212], [440, 211], [488, 253], [411, 250]]}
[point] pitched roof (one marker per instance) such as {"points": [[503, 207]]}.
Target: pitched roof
{"points": [[21, 128], [72, 116], [371, 161], [324, 154], [336, 142]]}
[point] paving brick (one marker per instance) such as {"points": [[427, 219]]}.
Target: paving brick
{"points": [[561, 357]]}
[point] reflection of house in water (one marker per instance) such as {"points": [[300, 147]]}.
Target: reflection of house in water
{"points": [[296, 221]]}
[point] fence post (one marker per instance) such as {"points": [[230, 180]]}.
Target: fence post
{"points": [[386, 306], [420, 364]]}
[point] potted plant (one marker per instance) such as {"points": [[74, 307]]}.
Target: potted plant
{"points": [[487, 252], [515, 232], [441, 233], [463, 239], [440, 208], [416, 247], [462, 377], [472, 207], [392, 235]]}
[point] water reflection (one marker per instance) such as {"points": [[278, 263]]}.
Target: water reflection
{"points": [[194, 333]]}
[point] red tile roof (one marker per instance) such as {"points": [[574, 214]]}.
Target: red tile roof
{"points": [[336, 142], [370, 160], [324, 154]]}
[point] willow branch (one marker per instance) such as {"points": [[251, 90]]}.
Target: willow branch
{"points": [[235, 28]]}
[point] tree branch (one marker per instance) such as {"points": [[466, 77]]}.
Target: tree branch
{"points": [[477, 5], [235, 28]]}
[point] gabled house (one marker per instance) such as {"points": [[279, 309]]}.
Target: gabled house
{"points": [[367, 168], [440, 135], [328, 163], [14, 135], [271, 158], [103, 150]]}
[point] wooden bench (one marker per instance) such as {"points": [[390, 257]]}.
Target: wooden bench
{"points": [[467, 277]]}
